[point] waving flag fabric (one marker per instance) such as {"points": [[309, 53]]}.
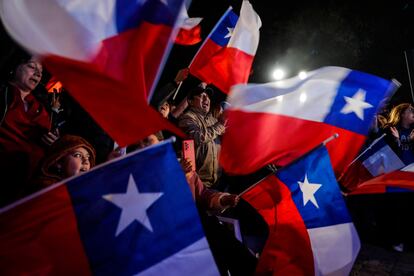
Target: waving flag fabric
{"points": [[227, 55], [376, 160], [135, 216], [395, 181], [190, 29], [279, 121], [310, 229], [107, 53]]}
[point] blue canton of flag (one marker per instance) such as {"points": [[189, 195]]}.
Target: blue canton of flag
{"points": [[316, 195], [129, 14], [357, 100], [315, 191], [224, 28], [137, 215]]}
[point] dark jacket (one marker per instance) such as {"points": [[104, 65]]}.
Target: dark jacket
{"points": [[5, 100], [204, 129]]}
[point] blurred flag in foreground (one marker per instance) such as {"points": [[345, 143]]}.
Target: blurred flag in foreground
{"points": [[395, 181], [133, 216], [108, 54], [278, 122], [225, 58], [310, 229], [376, 160]]}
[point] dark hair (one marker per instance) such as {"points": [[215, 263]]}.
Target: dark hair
{"points": [[198, 91], [19, 57]]}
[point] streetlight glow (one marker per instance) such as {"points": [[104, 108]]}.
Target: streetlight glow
{"points": [[278, 74], [302, 75]]}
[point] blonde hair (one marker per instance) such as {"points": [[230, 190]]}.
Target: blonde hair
{"points": [[396, 113]]}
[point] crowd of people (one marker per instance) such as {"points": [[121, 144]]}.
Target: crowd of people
{"points": [[48, 137]]}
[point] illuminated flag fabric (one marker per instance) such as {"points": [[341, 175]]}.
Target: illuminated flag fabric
{"points": [[280, 121], [227, 55], [134, 216], [107, 53], [395, 181], [376, 160], [310, 229]]}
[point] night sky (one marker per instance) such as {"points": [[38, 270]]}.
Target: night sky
{"points": [[370, 36]]}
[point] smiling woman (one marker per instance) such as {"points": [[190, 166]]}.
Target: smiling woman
{"points": [[24, 127]]}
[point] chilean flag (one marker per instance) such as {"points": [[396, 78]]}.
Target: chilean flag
{"points": [[107, 53], [227, 55], [376, 160], [396, 181], [280, 121], [124, 218], [310, 229], [190, 29]]}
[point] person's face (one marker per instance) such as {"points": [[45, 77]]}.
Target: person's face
{"points": [[76, 162], [202, 102], [164, 109], [28, 75], [150, 140], [407, 116]]}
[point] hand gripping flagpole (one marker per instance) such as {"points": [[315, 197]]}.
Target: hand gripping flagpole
{"points": [[322, 144]]}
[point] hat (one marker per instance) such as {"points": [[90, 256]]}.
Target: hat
{"points": [[62, 147], [198, 91]]}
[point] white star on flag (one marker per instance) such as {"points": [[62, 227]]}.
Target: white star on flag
{"points": [[230, 32], [308, 191], [356, 104], [134, 205]]}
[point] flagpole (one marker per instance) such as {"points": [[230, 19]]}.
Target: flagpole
{"points": [[202, 45], [323, 143], [368, 148], [165, 55], [409, 75]]}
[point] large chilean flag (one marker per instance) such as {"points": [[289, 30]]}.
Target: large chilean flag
{"points": [[124, 218], [107, 53], [226, 57], [280, 121], [310, 229]]}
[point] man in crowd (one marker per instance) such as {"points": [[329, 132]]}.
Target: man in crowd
{"points": [[198, 123]]}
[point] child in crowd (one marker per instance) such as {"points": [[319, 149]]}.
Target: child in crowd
{"points": [[68, 156]]}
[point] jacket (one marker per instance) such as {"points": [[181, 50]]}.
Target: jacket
{"points": [[204, 129]]}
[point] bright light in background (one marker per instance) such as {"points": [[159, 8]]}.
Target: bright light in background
{"points": [[278, 74], [302, 75], [302, 98]]}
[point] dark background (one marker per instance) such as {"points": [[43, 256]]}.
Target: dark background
{"points": [[369, 36]]}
